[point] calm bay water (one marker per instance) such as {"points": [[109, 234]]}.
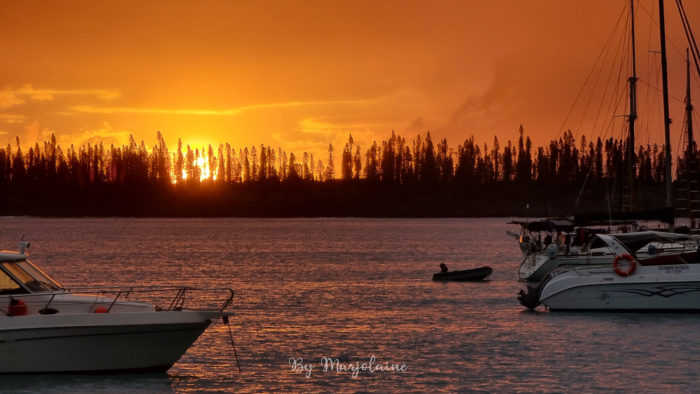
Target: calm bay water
{"points": [[354, 289]]}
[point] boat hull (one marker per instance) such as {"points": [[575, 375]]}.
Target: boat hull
{"points": [[98, 343], [652, 288]]}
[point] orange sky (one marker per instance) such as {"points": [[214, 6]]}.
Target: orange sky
{"points": [[301, 74]]}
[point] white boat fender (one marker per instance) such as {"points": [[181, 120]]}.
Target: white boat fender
{"points": [[552, 250]]}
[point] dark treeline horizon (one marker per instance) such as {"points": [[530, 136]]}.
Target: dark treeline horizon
{"points": [[393, 178]]}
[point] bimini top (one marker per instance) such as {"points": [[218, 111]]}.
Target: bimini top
{"points": [[551, 225]]}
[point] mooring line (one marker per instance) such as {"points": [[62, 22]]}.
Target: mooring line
{"points": [[233, 344]]}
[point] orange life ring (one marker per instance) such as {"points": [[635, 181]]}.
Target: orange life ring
{"points": [[619, 270]]}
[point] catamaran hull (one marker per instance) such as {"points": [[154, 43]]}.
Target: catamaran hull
{"points": [[142, 342]]}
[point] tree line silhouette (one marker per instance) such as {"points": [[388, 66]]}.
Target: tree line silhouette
{"points": [[393, 178]]}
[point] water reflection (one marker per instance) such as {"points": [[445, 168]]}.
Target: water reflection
{"points": [[150, 383], [352, 289]]}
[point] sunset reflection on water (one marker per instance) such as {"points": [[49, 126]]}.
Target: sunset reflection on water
{"points": [[350, 289]]}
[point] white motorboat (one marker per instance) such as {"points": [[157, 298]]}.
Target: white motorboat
{"points": [[666, 282], [45, 328], [538, 262]]}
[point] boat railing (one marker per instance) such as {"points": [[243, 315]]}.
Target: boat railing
{"points": [[164, 298]]}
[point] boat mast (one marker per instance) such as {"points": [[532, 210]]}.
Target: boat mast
{"points": [[667, 118], [688, 105], [632, 117], [690, 161]]}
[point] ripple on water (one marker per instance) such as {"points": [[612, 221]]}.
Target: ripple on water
{"points": [[352, 289]]}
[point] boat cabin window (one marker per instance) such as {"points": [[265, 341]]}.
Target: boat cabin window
{"points": [[9, 285], [30, 276]]}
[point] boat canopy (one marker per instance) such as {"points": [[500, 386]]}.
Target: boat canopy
{"points": [[551, 225], [665, 215], [568, 225]]}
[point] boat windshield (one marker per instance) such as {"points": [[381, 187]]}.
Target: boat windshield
{"points": [[26, 273], [9, 285]]}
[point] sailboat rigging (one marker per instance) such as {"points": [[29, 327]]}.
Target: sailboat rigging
{"points": [[628, 208], [663, 282], [688, 198], [632, 117], [540, 259], [667, 116]]}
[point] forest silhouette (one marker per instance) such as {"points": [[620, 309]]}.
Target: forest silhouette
{"points": [[393, 178]]}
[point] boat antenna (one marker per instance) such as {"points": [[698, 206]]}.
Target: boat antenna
{"points": [[667, 118]]}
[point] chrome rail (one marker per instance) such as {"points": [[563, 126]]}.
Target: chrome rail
{"points": [[175, 303]]}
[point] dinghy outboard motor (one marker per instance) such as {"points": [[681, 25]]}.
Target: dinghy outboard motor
{"points": [[531, 299]]}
